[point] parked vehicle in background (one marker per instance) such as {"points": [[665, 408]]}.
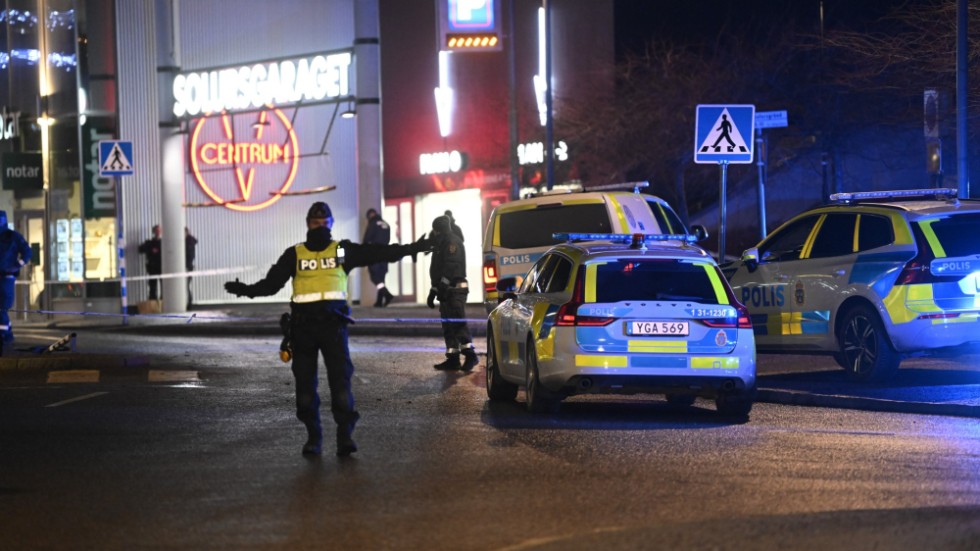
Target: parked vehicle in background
{"points": [[520, 231], [870, 278], [622, 314]]}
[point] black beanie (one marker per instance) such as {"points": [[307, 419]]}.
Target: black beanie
{"points": [[319, 210]]}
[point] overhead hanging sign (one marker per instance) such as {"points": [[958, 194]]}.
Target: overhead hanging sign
{"points": [[469, 25]]}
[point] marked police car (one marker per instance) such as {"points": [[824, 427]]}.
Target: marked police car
{"points": [[607, 313], [520, 231], [871, 278]]}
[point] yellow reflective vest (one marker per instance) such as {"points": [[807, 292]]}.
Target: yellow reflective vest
{"points": [[319, 275]]}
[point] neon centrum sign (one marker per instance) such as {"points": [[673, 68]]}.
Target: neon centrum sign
{"points": [[306, 79], [226, 151]]}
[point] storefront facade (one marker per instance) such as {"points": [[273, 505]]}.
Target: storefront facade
{"points": [[234, 109]]}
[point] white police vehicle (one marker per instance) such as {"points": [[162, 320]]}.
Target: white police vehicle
{"points": [[608, 313], [520, 231], [871, 278]]}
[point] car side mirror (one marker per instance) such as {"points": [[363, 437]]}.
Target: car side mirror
{"points": [[750, 259], [699, 232], [506, 288]]}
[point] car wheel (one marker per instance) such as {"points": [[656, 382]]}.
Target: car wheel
{"points": [[865, 351], [539, 400], [734, 404], [681, 400], [498, 389]]}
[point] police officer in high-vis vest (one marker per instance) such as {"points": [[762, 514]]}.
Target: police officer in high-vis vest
{"points": [[320, 314]]}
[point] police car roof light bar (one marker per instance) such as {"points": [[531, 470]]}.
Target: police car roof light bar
{"points": [[894, 194], [635, 186], [625, 238]]}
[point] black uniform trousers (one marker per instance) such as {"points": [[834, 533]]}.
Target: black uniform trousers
{"points": [[452, 305], [329, 338]]}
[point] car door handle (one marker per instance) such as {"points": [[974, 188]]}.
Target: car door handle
{"points": [[839, 272]]}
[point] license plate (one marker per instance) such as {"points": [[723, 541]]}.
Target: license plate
{"points": [[658, 328]]}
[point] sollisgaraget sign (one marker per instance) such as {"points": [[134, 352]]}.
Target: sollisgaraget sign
{"points": [[314, 78]]}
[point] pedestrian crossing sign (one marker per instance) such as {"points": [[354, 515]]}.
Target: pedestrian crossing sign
{"points": [[115, 158], [723, 134]]}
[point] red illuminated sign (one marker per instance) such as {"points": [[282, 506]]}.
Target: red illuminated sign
{"points": [[227, 151]]}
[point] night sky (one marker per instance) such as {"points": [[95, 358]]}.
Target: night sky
{"points": [[693, 22]]}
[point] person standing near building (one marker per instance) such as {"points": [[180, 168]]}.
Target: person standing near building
{"points": [[190, 251], [378, 233], [318, 268], [449, 286], [14, 253], [154, 262]]}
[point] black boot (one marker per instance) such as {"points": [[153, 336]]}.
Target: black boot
{"points": [[379, 302], [345, 443], [314, 441], [470, 360], [451, 363], [387, 298]]}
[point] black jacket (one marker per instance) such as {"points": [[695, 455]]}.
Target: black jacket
{"points": [[448, 261]]}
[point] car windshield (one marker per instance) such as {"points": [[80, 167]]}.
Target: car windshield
{"points": [[957, 234], [528, 228], [657, 279]]}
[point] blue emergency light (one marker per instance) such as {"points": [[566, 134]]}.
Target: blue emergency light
{"points": [[895, 194], [625, 238]]}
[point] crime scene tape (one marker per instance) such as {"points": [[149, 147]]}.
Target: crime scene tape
{"points": [[192, 274], [196, 316]]}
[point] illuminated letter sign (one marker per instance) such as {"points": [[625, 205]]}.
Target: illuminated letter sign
{"points": [[441, 163], [254, 86], [226, 152]]}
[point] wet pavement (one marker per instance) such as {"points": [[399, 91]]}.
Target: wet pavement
{"points": [[916, 390]]}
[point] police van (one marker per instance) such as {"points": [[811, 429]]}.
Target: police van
{"points": [[870, 278], [520, 231]]}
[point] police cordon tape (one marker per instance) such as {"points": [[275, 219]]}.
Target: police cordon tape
{"points": [[195, 316], [191, 274]]}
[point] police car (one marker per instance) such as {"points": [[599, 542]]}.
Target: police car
{"points": [[608, 313], [520, 231], [870, 278]]}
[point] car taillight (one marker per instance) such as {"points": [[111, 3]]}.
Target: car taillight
{"points": [[919, 268], [490, 275], [567, 316], [568, 313], [740, 321]]}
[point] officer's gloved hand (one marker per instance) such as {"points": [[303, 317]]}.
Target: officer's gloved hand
{"points": [[237, 288], [431, 301]]}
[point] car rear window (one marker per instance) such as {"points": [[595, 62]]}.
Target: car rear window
{"points": [[523, 229], [957, 234], [661, 279]]}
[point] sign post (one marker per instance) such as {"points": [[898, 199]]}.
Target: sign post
{"points": [[765, 119], [719, 132], [115, 159]]}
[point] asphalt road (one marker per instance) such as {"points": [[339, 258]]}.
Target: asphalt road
{"points": [[209, 459]]}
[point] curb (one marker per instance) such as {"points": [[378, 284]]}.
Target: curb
{"points": [[796, 398]]}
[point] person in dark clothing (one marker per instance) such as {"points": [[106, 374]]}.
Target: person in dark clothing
{"points": [[378, 233], [452, 224], [190, 251], [449, 286], [318, 268], [14, 253], [154, 262]]}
